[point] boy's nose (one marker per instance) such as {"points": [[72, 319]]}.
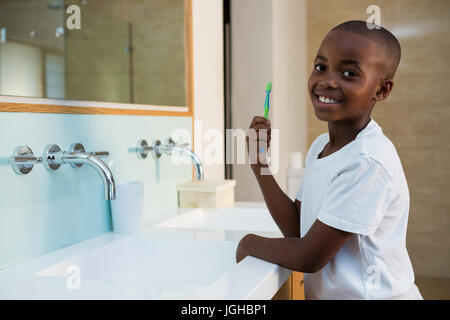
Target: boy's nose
{"points": [[328, 82]]}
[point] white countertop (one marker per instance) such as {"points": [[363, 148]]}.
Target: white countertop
{"points": [[190, 255]]}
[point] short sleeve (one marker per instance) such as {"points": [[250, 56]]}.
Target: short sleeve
{"points": [[357, 197]]}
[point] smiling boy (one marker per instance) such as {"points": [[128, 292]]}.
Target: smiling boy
{"points": [[346, 228]]}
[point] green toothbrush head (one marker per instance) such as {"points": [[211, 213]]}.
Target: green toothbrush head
{"points": [[269, 86]]}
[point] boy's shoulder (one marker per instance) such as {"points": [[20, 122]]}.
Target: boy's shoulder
{"points": [[377, 147], [370, 144]]}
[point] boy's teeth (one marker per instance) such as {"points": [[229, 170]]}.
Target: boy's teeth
{"points": [[327, 100]]}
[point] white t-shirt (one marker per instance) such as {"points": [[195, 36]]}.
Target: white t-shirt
{"points": [[361, 189]]}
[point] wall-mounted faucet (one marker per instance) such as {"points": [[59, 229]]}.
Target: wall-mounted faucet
{"points": [[53, 158], [158, 149], [23, 160]]}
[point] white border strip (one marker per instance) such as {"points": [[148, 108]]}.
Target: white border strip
{"points": [[94, 104]]}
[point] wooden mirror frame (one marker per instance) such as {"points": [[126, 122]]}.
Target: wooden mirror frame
{"points": [[46, 105]]}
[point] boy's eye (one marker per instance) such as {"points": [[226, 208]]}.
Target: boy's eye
{"points": [[349, 74], [320, 67]]}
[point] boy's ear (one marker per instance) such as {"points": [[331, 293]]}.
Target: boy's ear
{"points": [[384, 90]]}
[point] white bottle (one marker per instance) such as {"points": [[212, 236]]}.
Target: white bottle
{"points": [[295, 174]]}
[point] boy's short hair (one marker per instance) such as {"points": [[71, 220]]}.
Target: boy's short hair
{"points": [[379, 34]]}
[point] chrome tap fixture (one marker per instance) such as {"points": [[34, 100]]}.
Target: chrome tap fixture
{"points": [[158, 149], [53, 158], [23, 160]]}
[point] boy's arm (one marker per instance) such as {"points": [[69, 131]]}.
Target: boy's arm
{"points": [[284, 211], [308, 254]]}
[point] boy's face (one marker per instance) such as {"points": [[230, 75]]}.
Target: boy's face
{"points": [[345, 81]]}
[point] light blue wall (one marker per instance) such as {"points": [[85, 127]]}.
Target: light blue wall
{"points": [[42, 211]]}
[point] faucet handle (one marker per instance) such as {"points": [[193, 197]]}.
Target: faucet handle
{"points": [[22, 161], [173, 143], [143, 149], [183, 145], [100, 154], [52, 157]]}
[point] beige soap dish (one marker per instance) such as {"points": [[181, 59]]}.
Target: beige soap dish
{"points": [[206, 193]]}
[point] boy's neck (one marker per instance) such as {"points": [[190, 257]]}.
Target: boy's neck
{"points": [[344, 131]]}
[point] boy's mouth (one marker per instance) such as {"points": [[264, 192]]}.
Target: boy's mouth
{"points": [[327, 101]]}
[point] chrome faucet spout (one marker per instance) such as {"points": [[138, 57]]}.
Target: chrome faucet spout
{"points": [[198, 165], [96, 163], [53, 158], [157, 149]]}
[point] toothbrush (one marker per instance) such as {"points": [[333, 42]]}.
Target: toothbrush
{"points": [[266, 106], [266, 103]]}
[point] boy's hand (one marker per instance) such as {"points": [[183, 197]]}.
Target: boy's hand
{"points": [[241, 252], [258, 141], [240, 255]]}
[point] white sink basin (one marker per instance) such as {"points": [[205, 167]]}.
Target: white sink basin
{"points": [[146, 267], [163, 264], [257, 220]]}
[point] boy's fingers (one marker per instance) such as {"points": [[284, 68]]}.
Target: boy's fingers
{"points": [[259, 120], [255, 134], [260, 126], [258, 140]]}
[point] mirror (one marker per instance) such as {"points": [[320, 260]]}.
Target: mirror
{"points": [[122, 51]]}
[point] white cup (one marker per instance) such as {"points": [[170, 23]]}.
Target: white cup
{"points": [[126, 209]]}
